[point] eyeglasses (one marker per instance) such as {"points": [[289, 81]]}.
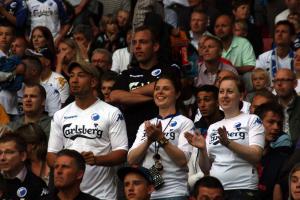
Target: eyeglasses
{"points": [[283, 80]]}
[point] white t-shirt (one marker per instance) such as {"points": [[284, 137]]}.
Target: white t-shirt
{"points": [[233, 171], [99, 128], [52, 103], [120, 60], [44, 14], [282, 16], [59, 82], [264, 61], [175, 177]]}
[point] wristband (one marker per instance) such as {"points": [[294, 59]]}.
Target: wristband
{"points": [[162, 141]]}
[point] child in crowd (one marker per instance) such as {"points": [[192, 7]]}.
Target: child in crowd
{"points": [[297, 69], [107, 82], [260, 81], [240, 28]]}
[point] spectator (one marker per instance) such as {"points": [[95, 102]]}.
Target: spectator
{"points": [[36, 141], [49, 14], [212, 63], [69, 169], [14, 12], [208, 188], [108, 80], [41, 37], [82, 35], [21, 182], [236, 49], [101, 59], [198, 24], [294, 179], [33, 76], [261, 97], [121, 57], [34, 97], [68, 52], [277, 148], [229, 140], [160, 144], [294, 18], [122, 17], [130, 176], [18, 46], [134, 87], [4, 118], [241, 11], [260, 80], [282, 55], [292, 7], [7, 35], [93, 128], [240, 28], [284, 84], [207, 102], [49, 77]]}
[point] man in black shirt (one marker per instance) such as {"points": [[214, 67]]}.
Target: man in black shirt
{"points": [[133, 90], [69, 169], [20, 182]]}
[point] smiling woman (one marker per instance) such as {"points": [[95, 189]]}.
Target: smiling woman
{"points": [[233, 145], [160, 143]]}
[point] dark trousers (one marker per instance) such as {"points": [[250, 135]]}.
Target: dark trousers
{"points": [[242, 195]]}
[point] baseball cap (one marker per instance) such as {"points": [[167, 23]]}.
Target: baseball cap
{"points": [[86, 67], [122, 172], [43, 52]]}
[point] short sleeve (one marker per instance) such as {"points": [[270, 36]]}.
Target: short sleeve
{"points": [[256, 132], [55, 143], [117, 131]]}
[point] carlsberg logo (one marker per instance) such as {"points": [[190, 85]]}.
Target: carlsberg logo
{"points": [[81, 131]]}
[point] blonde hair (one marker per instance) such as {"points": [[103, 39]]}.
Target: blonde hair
{"points": [[264, 72]]}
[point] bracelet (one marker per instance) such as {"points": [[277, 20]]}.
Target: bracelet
{"points": [[162, 141]]}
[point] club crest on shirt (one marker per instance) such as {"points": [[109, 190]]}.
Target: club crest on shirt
{"points": [[95, 117], [156, 72], [173, 124], [21, 192], [238, 125]]}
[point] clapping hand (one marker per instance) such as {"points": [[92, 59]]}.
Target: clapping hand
{"points": [[196, 140], [153, 132], [223, 138]]}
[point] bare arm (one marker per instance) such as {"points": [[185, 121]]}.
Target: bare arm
{"points": [[244, 69], [12, 19], [111, 159], [128, 98], [51, 157], [136, 155], [277, 193], [198, 141]]}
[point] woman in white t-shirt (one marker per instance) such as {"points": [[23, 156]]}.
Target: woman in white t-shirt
{"points": [[233, 146], [160, 144]]}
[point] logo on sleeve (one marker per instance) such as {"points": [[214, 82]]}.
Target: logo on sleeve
{"points": [[120, 117], [95, 117], [156, 72], [21, 192], [258, 121]]}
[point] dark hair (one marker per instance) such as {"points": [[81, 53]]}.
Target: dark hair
{"points": [[79, 160], [109, 76], [209, 88], [240, 85], [154, 35], [41, 89], [269, 107], [209, 182], [6, 24], [35, 63], [11, 137], [266, 93], [291, 27], [238, 3], [85, 30], [33, 134], [199, 11], [48, 35]]}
